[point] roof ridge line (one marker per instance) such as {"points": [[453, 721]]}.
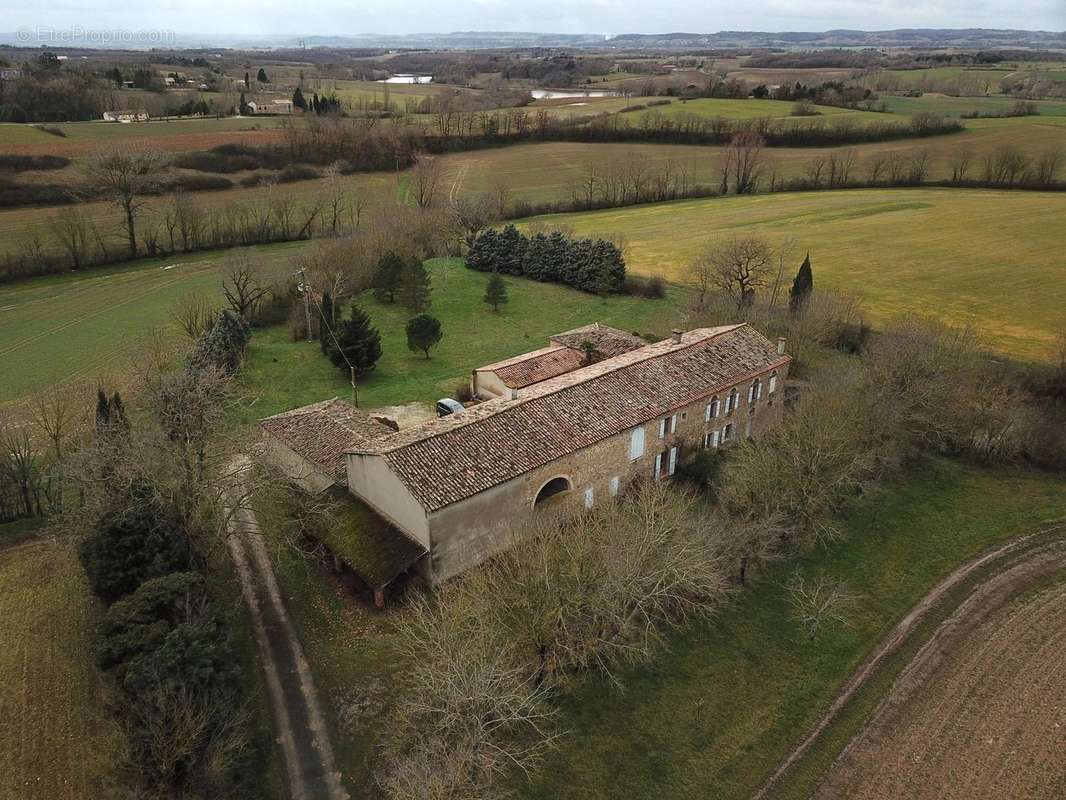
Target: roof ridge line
{"points": [[515, 403]]}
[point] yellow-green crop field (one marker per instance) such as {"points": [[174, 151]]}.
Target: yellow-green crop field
{"points": [[993, 259], [56, 739]]}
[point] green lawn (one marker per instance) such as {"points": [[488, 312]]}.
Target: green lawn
{"points": [[992, 259], [713, 715], [281, 374], [83, 327]]}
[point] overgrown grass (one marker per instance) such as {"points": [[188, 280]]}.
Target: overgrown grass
{"points": [[280, 374], [57, 740], [713, 715]]}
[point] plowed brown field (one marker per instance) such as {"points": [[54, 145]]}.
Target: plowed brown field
{"points": [[981, 716]]}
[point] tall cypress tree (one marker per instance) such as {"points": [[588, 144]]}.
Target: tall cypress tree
{"points": [[802, 286], [415, 292], [298, 100]]}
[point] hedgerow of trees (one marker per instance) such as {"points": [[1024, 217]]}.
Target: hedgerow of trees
{"points": [[592, 265]]}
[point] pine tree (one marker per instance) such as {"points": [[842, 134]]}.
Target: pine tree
{"points": [[535, 260], [483, 253], [387, 277], [243, 106], [802, 286], [358, 343], [326, 321], [247, 81], [423, 332], [495, 292], [511, 247], [262, 76], [298, 100], [415, 292]]}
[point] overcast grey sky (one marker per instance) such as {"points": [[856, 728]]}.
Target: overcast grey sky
{"points": [[555, 16]]}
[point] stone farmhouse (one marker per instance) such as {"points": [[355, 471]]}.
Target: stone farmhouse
{"points": [[565, 427]]}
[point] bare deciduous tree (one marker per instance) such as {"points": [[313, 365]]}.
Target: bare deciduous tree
{"points": [[740, 266], [194, 313], [819, 601], [743, 162], [243, 282], [126, 177], [425, 175]]}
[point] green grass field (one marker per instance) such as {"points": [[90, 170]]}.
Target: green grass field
{"points": [[74, 329], [57, 741], [713, 715], [98, 131], [988, 258], [956, 106], [708, 108], [280, 374]]}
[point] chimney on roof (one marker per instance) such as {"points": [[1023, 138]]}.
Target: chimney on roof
{"points": [[781, 345], [675, 334]]}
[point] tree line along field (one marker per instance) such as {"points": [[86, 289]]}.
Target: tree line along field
{"points": [[992, 259], [540, 173]]}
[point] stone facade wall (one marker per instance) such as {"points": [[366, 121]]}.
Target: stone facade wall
{"points": [[466, 533]]}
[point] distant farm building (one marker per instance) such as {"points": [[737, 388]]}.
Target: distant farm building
{"points": [[126, 116], [271, 107], [565, 427], [10, 74]]}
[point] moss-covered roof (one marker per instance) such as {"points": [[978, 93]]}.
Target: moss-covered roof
{"points": [[376, 550]]}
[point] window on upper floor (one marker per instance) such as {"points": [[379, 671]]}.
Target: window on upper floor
{"points": [[636, 444], [727, 432], [755, 390], [711, 412], [732, 402], [773, 383], [667, 425]]}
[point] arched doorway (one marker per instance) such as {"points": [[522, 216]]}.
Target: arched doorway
{"points": [[555, 486]]}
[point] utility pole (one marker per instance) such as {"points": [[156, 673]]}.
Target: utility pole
{"points": [[307, 301]]}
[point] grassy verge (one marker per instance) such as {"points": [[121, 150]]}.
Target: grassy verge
{"points": [[20, 530], [281, 374], [714, 714]]}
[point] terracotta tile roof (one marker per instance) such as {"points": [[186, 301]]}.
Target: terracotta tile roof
{"points": [[609, 342], [452, 458], [564, 354], [530, 368], [321, 432]]}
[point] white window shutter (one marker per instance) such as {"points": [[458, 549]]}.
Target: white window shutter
{"points": [[673, 424], [612, 486], [636, 444], [773, 384], [714, 439], [707, 413], [658, 464], [588, 497], [662, 428], [751, 393], [673, 460]]}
